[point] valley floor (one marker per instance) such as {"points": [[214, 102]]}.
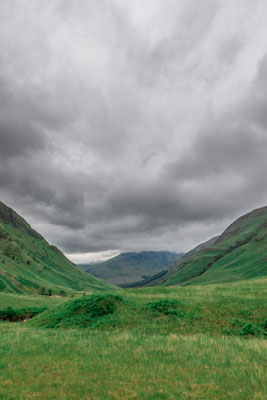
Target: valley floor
{"points": [[144, 356]]}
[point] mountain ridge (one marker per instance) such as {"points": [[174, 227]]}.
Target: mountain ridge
{"points": [[130, 267], [28, 262], [163, 275], [238, 253]]}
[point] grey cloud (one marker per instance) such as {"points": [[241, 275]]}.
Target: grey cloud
{"points": [[110, 138], [18, 138], [233, 148], [229, 49], [233, 143], [156, 62]]}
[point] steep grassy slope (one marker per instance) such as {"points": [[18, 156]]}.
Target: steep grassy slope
{"points": [[132, 267], [239, 253], [161, 277], [28, 262]]}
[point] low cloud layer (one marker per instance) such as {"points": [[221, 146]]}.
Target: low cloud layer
{"points": [[137, 125]]}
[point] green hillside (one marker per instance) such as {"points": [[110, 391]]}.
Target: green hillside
{"points": [[239, 253], [132, 267], [28, 262], [161, 277]]}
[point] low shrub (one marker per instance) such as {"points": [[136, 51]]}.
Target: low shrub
{"points": [[248, 329], [237, 323], [9, 314], [164, 307]]}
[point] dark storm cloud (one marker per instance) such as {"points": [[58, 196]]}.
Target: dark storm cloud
{"points": [[19, 135], [138, 125], [19, 138], [233, 149]]}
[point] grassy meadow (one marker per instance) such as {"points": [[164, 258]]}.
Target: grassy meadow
{"points": [[77, 364], [153, 343], [28, 300]]}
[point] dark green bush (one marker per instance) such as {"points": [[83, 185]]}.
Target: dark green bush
{"points": [[9, 314], [164, 307], [248, 329], [237, 323], [42, 291]]}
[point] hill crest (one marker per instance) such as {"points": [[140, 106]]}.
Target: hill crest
{"points": [[130, 267], [28, 262], [238, 253]]}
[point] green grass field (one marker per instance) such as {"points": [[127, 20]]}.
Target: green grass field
{"points": [[77, 364], [191, 349], [28, 300]]}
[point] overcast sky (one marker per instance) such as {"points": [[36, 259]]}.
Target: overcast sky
{"points": [[132, 124]]}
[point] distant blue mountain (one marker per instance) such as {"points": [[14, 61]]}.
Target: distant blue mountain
{"points": [[132, 267]]}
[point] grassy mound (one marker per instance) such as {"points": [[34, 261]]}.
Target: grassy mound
{"points": [[83, 312], [237, 309]]}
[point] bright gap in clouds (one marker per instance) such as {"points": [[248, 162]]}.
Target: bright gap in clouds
{"points": [[87, 258]]}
